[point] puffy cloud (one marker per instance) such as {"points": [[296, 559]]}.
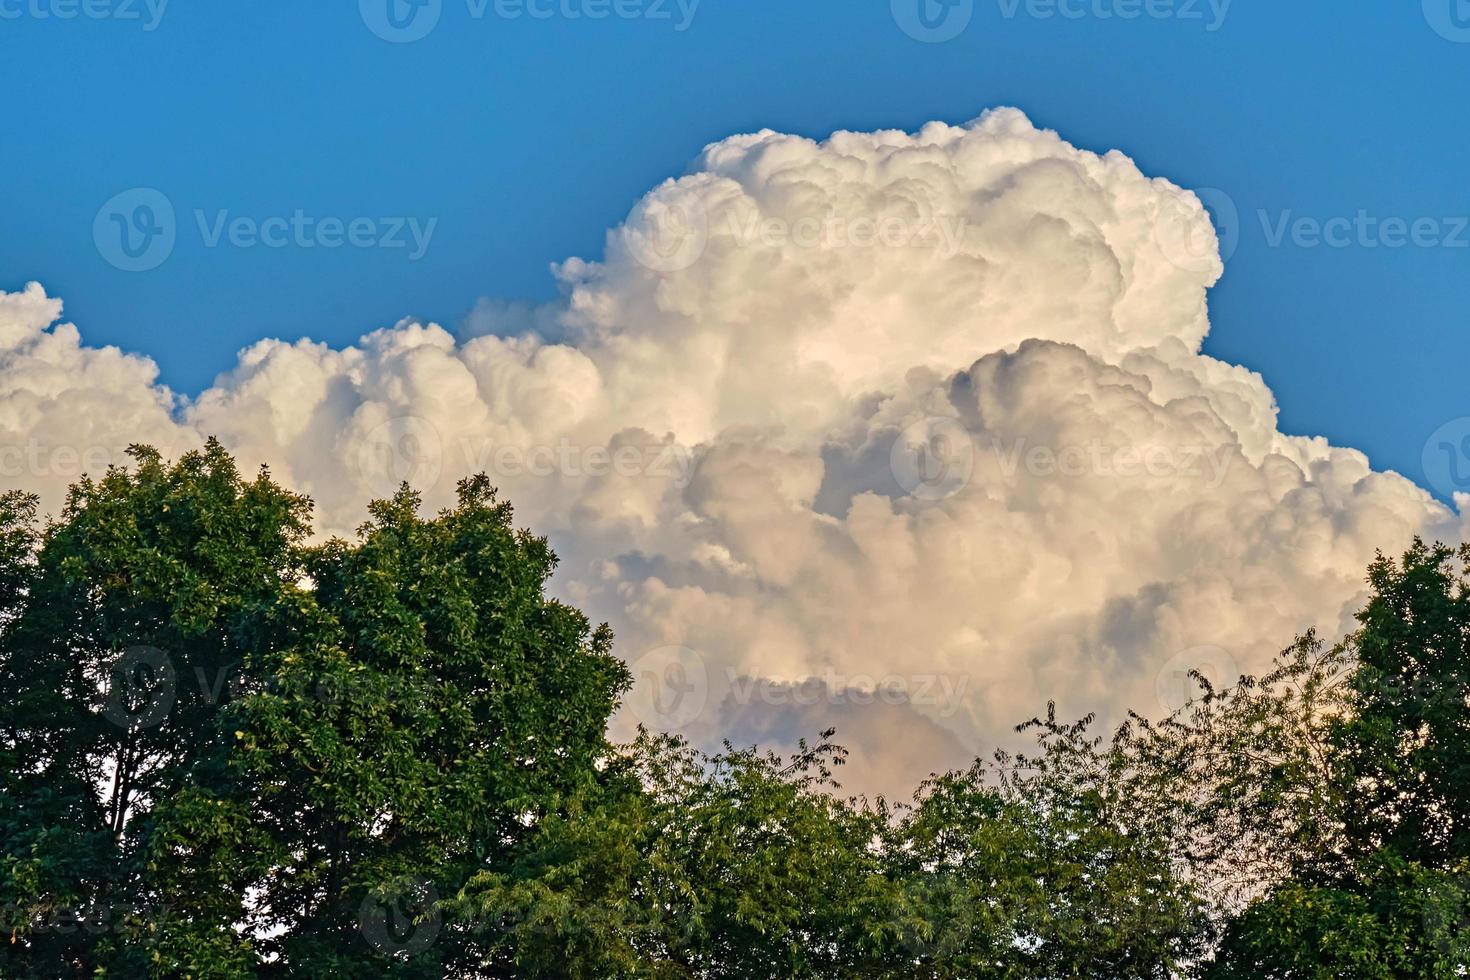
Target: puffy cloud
{"points": [[923, 412], [66, 408]]}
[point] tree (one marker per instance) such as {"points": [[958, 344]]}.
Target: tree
{"points": [[145, 594], [1387, 919], [1389, 899], [680, 864], [236, 755], [431, 719], [1040, 866], [1242, 779], [228, 752], [1341, 781], [1405, 748]]}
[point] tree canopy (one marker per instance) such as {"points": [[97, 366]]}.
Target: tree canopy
{"points": [[229, 751]]}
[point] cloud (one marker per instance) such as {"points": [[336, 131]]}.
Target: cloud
{"points": [[66, 407], [889, 405]]}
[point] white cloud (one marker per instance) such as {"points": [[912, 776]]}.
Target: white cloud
{"points": [[706, 427]]}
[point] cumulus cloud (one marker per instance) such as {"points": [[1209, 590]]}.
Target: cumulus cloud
{"points": [[919, 413]]}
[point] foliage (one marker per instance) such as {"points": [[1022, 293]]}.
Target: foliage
{"points": [[238, 754], [1342, 781], [229, 752], [1034, 878], [1242, 778], [682, 864], [143, 597], [1405, 748]]}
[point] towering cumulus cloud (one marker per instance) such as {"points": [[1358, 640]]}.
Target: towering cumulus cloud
{"points": [[902, 433]]}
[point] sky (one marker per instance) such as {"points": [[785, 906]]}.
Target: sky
{"points": [[898, 366], [526, 138]]}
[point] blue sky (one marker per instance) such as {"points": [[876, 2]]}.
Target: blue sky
{"points": [[527, 137]]}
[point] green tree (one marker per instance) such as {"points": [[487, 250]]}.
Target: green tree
{"points": [[1040, 866], [230, 753], [145, 595], [1243, 780], [1405, 748], [234, 755], [1328, 801], [430, 719], [681, 864], [1389, 898], [1386, 920], [678, 864]]}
